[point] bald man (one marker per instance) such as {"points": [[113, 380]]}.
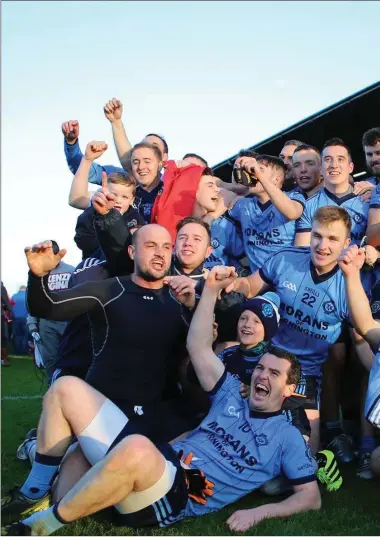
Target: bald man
{"points": [[138, 330]]}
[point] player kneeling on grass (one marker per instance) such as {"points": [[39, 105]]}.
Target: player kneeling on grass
{"points": [[239, 445], [351, 261]]}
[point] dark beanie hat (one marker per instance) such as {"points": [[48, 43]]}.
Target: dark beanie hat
{"points": [[266, 308]]}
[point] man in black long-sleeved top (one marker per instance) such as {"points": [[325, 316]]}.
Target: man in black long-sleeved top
{"points": [[138, 326], [128, 366]]}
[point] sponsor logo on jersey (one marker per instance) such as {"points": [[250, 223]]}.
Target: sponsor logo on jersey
{"points": [[138, 410], [290, 285], [147, 297], [57, 282], [220, 438], [302, 317]]}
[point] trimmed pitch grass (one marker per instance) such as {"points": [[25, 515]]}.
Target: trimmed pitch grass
{"points": [[353, 510]]}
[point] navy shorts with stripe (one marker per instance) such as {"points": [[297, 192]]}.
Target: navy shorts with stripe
{"points": [[167, 510]]}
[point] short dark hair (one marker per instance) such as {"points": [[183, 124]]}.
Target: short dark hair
{"points": [[294, 373], [293, 142], [371, 137], [166, 147], [125, 179], [193, 220], [248, 153], [337, 142], [307, 147], [154, 148], [194, 155], [273, 162]]}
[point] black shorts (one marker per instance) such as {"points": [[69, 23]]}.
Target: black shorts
{"points": [[160, 422], [167, 510], [313, 393]]}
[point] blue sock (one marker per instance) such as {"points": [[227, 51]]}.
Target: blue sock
{"points": [[367, 444], [45, 522], [39, 480]]}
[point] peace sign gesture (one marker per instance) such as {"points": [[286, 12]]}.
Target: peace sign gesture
{"points": [[103, 200]]}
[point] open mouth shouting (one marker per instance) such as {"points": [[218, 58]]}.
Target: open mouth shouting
{"points": [[261, 391], [158, 264]]}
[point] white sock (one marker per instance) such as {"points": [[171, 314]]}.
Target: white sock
{"points": [[44, 522]]}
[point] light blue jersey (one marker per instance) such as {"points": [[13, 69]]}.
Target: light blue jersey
{"points": [[265, 229], [227, 242], [372, 403], [356, 208], [239, 450], [375, 196], [312, 308]]}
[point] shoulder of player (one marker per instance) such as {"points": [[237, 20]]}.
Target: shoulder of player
{"points": [[291, 254]]}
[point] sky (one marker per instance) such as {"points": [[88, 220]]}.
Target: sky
{"points": [[212, 77]]}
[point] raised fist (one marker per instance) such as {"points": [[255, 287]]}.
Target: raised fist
{"points": [[95, 150], [70, 130], [41, 258], [351, 260], [113, 110]]}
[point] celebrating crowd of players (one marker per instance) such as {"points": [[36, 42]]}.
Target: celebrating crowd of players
{"points": [[218, 337]]}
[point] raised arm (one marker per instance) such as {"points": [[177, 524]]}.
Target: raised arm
{"points": [[351, 261], [206, 364], [79, 196], [113, 110], [250, 286], [62, 305], [291, 209]]}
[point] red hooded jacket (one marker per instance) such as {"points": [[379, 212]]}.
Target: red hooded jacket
{"points": [[178, 195]]}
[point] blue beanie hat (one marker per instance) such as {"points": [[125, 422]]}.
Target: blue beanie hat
{"points": [[266, 308]]}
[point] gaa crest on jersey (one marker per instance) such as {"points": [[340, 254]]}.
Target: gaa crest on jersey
{"points": [[375, 307], [215, 243], [358, 218], [267, 310], [329, 307], [261, 439], [132, 223]]}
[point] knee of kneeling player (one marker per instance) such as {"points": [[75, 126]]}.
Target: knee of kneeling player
{"points": [[67, 386], [132, 452]]}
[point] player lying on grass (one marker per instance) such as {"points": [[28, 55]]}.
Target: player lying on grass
{"points": [[240, 445]]}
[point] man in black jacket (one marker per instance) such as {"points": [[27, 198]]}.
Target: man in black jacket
{"points": [[139, 331]]}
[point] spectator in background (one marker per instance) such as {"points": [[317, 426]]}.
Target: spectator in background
{"points": [[20, 330], [47, 332], [307, 170], [6, 318], [286, 155]]}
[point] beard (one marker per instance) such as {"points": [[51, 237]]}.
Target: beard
{"points": [[373, 172], [149, 276]]}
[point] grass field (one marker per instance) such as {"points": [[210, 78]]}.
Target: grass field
{"points": [[353, 510]]}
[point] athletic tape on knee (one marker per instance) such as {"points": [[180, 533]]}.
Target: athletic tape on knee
{"points": [[98, 436], [136, 501]]}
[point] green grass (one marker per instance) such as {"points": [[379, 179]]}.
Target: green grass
{"points": [[353, 510]]}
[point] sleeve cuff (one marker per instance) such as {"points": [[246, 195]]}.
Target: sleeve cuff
{"points": [[218, 385], [303, 480], [300, 202], [374, 206], [303, 230], [265, 278]]}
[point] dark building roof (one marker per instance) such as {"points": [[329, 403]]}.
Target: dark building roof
{"points": [[347, 119]]}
